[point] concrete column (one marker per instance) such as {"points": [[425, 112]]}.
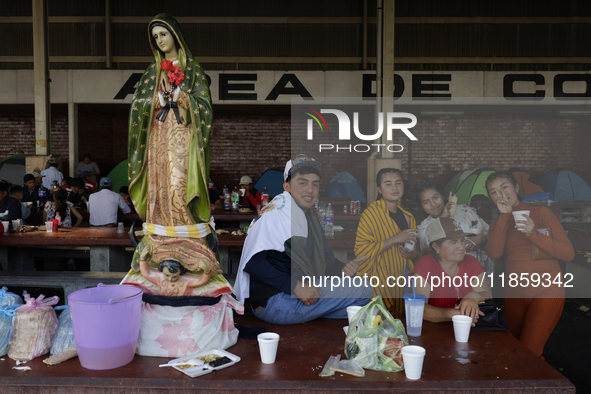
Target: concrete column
{"points": [[108, 33], [73, 136], [387, 66], [108, 259], [41, 79]]}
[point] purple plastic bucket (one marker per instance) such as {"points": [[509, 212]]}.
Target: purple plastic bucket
{"points": [[106, 323]]}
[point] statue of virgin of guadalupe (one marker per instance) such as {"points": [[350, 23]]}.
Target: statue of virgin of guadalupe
{"points": [[169, 130]]}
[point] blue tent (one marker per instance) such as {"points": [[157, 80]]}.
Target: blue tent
{"points": [[12, 169], [565, 185], [345, 185], [271, 179]]}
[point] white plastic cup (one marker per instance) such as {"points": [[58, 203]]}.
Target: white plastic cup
{"points": [[462, 325], [518, 215], [352, 311], [49, 226], [413, 357], [242, 192], [414, 307], [268, 342], [409, 245], [5, 224], [120, 228]]}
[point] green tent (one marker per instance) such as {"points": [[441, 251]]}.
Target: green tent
{"points": [[119, 175], [467, 184]]}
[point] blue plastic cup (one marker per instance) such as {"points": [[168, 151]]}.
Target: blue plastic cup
{"points": [[414, 306]]}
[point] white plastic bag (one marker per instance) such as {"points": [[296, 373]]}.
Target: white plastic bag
{"points": [[65, 333], [33, 328]]}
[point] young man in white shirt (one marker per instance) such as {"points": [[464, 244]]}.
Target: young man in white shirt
{"points": [[104, 204]]}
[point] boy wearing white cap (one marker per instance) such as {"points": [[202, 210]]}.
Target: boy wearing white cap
{"points": [[285, 245], [52, 174]]}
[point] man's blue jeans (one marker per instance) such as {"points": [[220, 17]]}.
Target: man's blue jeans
{"points": [[286, 309]]}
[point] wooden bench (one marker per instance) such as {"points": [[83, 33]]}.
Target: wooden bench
{"points": [[498, 363], [69, 281]]}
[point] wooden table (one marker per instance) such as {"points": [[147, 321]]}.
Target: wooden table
{"points": [[107, 247], [498, 363]]}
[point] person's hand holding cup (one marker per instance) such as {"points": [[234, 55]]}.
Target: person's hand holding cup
{"points": [[520, 219]]}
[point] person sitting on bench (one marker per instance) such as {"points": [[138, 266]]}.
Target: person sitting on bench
{"points": [[103, 205], [285, 250]]}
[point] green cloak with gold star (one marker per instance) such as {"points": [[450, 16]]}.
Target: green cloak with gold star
{"points": [[198, 118]]}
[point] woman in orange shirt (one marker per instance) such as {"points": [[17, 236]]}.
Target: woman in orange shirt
{"points": [[532, 311]]}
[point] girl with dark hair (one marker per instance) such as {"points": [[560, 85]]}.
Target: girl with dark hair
{"points": [[432, 200], [532, 312], [383, 229], [63, 207]]}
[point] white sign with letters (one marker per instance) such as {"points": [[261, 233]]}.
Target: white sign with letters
{"points": [[279, 87]]}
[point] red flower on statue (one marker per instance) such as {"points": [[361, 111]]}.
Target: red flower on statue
{"points": [[176, 76], [167, 65]]}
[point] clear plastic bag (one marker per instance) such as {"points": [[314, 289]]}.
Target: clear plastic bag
{"points": [[375, 338], [65, 333], [6, 316], [8, 298], [349, 367], [33, 328], [332, 361]]}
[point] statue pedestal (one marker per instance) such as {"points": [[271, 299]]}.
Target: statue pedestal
{"points": [[167, 331]]}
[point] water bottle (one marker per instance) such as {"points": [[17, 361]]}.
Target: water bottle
{"points": [[329, 221], [235, 199], [227, 200], [322, 214], [265, 197]]}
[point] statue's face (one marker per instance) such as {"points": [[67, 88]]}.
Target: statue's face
{"points": [[164, 39], [169, 276]]}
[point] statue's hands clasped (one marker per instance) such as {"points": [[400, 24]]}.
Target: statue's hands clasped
{"points": [[164, 98]]}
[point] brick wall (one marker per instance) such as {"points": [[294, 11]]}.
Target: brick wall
{"points": [[243, 144], [535, 145], [17, 135], [247, 145]]}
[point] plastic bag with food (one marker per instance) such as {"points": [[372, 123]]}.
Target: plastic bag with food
{"points": [[8, 298], [375, 338], [33, 328], [65, 333]]}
